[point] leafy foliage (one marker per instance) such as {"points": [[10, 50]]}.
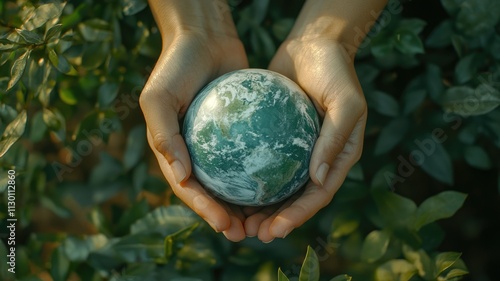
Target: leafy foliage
{"points": [[70, 76]]}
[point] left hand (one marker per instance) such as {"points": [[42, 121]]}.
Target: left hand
{"points": [[325, 71]]}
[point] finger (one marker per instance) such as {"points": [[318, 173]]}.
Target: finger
{"points": [[236, 231], [296, 213], [253, 222], [338, 125], [195, 196]]}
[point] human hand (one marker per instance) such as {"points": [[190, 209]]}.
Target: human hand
{"points": [[324, 70], [197, 47]]}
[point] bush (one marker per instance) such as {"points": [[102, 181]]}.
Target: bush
{"points": [[91, 204]]}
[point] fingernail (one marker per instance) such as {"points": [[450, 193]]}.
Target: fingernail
{"points": [[267, 242], [322, 172], [214, 226], [286, 233], [178, 170]]}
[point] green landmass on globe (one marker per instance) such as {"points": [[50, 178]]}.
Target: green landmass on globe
{"points": [[250, 135]]}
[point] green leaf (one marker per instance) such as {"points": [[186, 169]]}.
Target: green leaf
{"points": [[440, 206], [391, 135], [344, 224], [310, 267], [175, 241], [78, 249], [131, 215], [282, 27], [477, 157], [343, 277], [55, 122], [395, 209], [94, 54], [165, 220], [434, 82], [107, 93], [13, 132], [466, 101], [375, 246], [60, 62], [383, 103], [262, 43], [452, 6], [95, 30], [395, 270], [433, 158], [30, 37], [408, 43], [59, 266], [455, 272], [421, 261], [478, 16], [53, 32], [108, 170], [37, 128], [141, 247], [282, 276], [136, 144], [56, 207], [412, 100], [467, 67], [3, 265], [42, 14], [440, 37], [445, 260], [17, 70], [132, 7], [67, 95], [412, 25]]}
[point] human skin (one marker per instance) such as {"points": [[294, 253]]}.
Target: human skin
{"points": [[200, 43]]}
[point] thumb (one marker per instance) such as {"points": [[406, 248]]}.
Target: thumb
{"points": [[162, 120], [338, 125]]}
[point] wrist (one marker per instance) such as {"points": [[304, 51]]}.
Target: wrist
{"points": [[345, 22], [195, 17]]}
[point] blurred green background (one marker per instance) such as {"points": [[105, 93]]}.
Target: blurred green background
{"points": [[91, 203]]}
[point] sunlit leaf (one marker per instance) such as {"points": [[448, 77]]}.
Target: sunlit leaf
{"points": [[95, 30], [53, 32], [30, 37], [343, 277], [466, 101], [310, 267], [132, 7], [42, 14], [395, 270], [165, 220], [13, 132], [375, 245], [282, 276], [17, 70], [445, 260], [421, 260], [408, 43]]}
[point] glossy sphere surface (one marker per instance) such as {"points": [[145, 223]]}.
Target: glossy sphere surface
{"points": [[250, 134]]}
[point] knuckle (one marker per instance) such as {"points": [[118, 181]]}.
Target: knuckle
{"points": [[161, 143]]}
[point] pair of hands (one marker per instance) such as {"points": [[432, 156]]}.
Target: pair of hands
{"points": [[320, 66]]}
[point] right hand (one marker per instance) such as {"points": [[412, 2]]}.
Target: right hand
{"points": [[189, 61]]}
